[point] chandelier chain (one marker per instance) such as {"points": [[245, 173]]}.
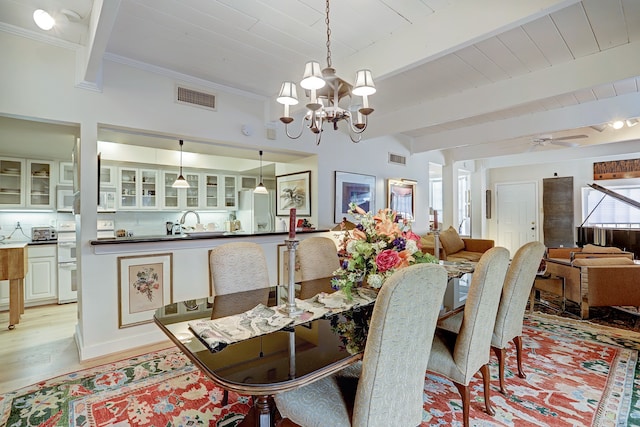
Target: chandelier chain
{"points": [[326, 20]]}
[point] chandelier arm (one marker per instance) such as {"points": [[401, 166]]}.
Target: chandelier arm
{"points": [[286, 128], [355, 129], [357, 135]]}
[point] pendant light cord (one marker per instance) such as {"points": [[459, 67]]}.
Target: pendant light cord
{"points": [[181, 142]]}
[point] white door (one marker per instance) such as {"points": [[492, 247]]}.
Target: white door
{"points": [[517, 207]]}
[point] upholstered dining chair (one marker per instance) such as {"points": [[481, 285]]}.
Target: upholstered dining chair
{"points": [[318, 257], [513, 303], [390, 388], [237, 267], [459, 357]]}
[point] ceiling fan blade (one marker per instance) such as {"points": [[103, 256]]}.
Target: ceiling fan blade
{"points": [[565, 144], [566, 138]]}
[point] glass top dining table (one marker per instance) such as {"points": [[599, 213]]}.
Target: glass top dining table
{"points": [[264, 365]]}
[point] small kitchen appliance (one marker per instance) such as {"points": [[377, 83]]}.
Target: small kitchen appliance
{"points": [[43, 234]]}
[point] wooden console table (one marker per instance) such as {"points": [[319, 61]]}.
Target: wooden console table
{"points": [[13, 267]]}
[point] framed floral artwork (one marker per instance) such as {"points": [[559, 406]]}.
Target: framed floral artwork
{"points": [[145, 284], [401, 197], [294, 191], [353, 187]]}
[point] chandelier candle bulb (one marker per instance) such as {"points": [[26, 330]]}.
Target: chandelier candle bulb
{"points": [[292, 223]]}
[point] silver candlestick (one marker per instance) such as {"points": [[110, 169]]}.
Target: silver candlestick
{"points": [[290, 308]]}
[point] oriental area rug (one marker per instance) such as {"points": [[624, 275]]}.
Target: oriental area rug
{"points": [[578, 374]]}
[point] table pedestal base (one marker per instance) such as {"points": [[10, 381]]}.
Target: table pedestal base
{"points": [[261, 414]]}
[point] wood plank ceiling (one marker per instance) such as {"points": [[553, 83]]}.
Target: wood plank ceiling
{"points": [[473, 78]]}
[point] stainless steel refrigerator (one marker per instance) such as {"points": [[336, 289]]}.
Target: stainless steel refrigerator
{"points": [[256, 212]]}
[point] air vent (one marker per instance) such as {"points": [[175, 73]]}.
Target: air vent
{"points": [[194, 97], [397, 159]]}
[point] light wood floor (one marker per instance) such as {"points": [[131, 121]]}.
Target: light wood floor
{"points": [[43, 346]]}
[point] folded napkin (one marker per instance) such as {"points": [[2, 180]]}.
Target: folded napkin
{"points": [[216, 334]]}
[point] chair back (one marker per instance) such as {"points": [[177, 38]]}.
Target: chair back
{"points": [[391, 386], [318, 258], [515, 293], [473, 344], [236, 267]]}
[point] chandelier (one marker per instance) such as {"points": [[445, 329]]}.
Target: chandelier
{"points": [[325, 91]]}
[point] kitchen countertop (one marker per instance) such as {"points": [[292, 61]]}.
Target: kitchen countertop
{"points": [[192, 236]]}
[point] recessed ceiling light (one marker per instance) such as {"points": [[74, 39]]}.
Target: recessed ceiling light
{"points": [[43, 19], [618, 124]]}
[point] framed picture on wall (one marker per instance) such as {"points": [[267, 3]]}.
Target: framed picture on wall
{"points": [[144, 285], [401, 198], [353, 187], [294, 191]]}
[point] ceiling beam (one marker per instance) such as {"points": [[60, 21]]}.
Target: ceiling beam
{"points": [[89, 62], [582, 73], [466, 144], [462, 24]]}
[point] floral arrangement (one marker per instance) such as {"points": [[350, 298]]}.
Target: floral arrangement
{"points": [[352, 327], [378, 246]]}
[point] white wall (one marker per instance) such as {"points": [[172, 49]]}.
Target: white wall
{"points": [[37, 81], [580, 169]]}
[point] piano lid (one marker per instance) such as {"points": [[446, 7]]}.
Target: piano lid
{"points": [[615, 195]]}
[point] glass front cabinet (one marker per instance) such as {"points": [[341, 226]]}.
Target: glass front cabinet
{"points": [[181, 198], [212, 199], [26, 183], [230, 192], [11, 183], [40, 188], [138, 188]]}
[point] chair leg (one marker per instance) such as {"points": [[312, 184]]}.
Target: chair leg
{"points": [[486, 378], [466, 396], [500, 354], [518, 342]]}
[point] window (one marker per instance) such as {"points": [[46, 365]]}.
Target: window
{"points": [[602, 210]]}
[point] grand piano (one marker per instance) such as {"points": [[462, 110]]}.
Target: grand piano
{"points": [[624, 238]]}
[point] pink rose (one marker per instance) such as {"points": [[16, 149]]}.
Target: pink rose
{"points": [[387, 259]]}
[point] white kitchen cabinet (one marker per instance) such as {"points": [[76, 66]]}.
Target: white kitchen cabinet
{"points": [[26, 183], [41, 281], [40, 184], [65, 173], [192, 194], [182, 198], [248, 182], [137, 189], [230, 195], [108, 176], [12, 183], [220, 191], [211, 196]]}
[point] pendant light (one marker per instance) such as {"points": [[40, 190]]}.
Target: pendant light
{"points": [[180, 182], [261, 189]]}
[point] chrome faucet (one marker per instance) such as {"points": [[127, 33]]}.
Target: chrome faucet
{"points": [[185, 214]]}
